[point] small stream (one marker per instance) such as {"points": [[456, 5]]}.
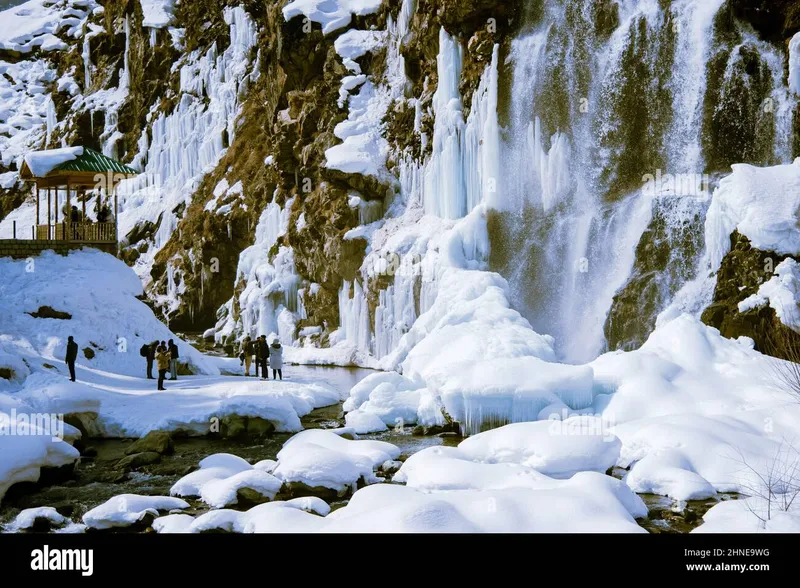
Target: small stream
{"points": [[97, 479]]}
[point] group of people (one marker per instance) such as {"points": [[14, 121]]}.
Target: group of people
{"points": [[165, 356], [263, 355], [103, 215]]}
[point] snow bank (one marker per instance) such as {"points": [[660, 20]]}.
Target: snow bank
{"points": [[42, 163], [587, 503], [319, 458], [128, 509], [694, 411], [100, 293], [129, 407], [25, 448], [781, 293], [331, 14], [751, 515]]}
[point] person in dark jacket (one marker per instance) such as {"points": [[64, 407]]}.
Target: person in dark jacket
{"points": [[72, 355], [263, 355], [173, 360], [151, 357]]}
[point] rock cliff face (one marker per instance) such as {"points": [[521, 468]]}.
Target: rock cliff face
{"points": [[275, 143]]}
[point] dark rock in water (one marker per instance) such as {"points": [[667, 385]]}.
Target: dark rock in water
{"points": [[83, 421], [247, 497], [448, 434], [234, 427], [299, 490], [156, 441], [48, 312], [258, 427], [418, 431], [88, 353], [112, 477], [138, 460], [65, 508], [348, 436], [89, 452]]}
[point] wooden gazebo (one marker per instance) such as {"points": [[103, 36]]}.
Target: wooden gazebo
{"points": [[75, 170]]}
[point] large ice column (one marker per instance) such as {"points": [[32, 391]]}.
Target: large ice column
{"points": [[354, 316], [794, 64], [482, 141], [463, 170], [445, 186]]}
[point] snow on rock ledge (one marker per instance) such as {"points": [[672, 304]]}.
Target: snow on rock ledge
{"points": [[331, 14], [762, 204]]}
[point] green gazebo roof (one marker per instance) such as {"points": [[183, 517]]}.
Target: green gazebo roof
{"points": [[92, 161]]}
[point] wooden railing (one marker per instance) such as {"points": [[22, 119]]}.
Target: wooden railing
{"points": [[81, 232]]}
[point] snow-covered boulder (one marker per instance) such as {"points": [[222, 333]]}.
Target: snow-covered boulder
{"points": [[126, 510], [43, 517], [318, 460]]}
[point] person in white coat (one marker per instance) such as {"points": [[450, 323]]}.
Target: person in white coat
{"points": [[276, 359]]}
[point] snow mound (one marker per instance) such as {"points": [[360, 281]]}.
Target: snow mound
{"points": [[553, 447], [324, 459], [694, 411], [219, 493], [331, 14], [174, 523], [128, 509], [751, 515], [587, 503], [389, 398], [99, 292]]}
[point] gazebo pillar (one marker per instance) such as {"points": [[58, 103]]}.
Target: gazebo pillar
{"points": [[49, 217], [38, 195], [68, 216]]}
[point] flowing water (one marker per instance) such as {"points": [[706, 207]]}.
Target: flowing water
{"points": [[603, 97]]}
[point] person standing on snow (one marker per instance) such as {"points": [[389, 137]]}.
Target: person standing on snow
{"points": [[162, 363], [247, 349], [72, 356], [263, 350], [173, 360], [276, 359]]}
